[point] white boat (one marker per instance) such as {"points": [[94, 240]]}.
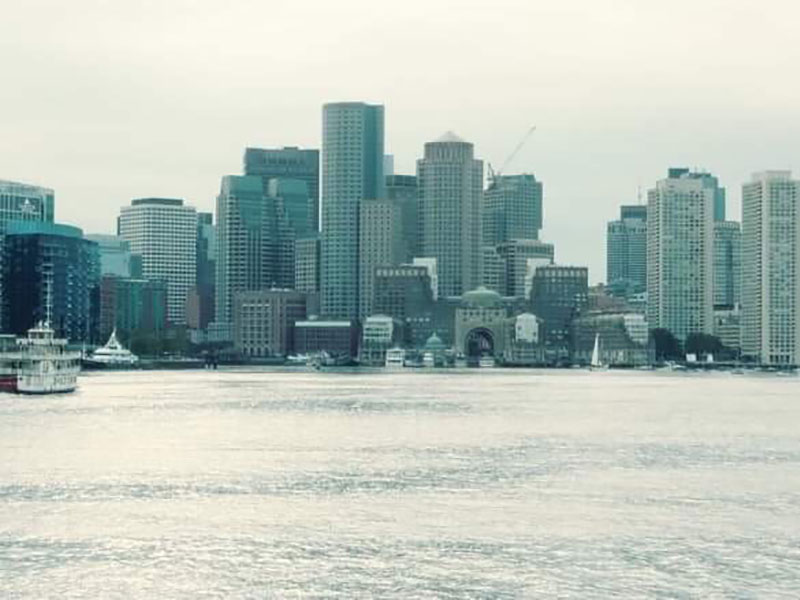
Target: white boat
{"points": [[486, 361], [395, 358], [112, 355], [428, 359], [44, 364]]}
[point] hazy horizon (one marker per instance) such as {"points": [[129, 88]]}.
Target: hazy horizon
{"points": [[105, 102]]}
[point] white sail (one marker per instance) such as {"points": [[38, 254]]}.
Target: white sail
{"points": [[596, 351]]}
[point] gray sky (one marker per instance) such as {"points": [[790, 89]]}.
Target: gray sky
{"points": [[105, 101]]}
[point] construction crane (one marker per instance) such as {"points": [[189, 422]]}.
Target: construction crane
{"points": [[493, 175]]}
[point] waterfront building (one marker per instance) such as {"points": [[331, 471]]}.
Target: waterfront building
{"points": [[450, 183], [402, 189], [482, 325], [132, 306], [163, 232], [727, 263], [771, 269], [115, 254], [50, 272], [263, 321], [337, 338], [289, 163], [559, 294], [626, 252], [526, 347], [512, 209], [352, 171], [680, 236], [404, 293], [378, 334], [380, 244], [622, 339]]}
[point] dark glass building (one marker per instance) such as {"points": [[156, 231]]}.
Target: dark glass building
{"points": [[50, 264], [558, 295]]}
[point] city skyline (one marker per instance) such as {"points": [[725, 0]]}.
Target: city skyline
{"points": [[169, 116]]}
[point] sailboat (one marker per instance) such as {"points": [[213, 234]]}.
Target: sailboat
{"points": [[596, 364]]}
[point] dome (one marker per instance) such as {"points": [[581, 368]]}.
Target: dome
{"points": [[449, 138], [435, 343], [482, 298]]}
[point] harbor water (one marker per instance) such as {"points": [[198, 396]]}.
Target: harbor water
{"points": [[415, 484]]}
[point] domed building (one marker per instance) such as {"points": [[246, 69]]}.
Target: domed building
{"points": [[482, 325]]}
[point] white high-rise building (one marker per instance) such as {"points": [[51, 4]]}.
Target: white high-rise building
{"points": [[771, 268], [163, 232], [680, 242], [450, 192]]}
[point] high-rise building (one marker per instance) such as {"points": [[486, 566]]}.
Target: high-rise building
{"points": [[708, 180], [352, 171], [680, 240], [403, 190], [246, 242], [512, 209], [306, 264], [380, 244], [771, 269], [727, 263], [163, 232], [521, 258], [50, 273], [200, 302], [115, 254], [626, 252], [288, 163], [451, 188]]}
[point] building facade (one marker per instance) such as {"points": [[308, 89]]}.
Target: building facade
{"points": [[626, 252], [520, 260], [115, 254], [337, 338], [50, 273], [163, 232], [727, 263], [402, 189], [352, 171], [559, 294], [132, 306], [680, 240], [289, 163], [451, 190], [770, 323], [404, 293], [263, 322], [512, 209], [380, 244]]}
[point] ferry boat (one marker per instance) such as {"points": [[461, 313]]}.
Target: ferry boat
{"points": [[43, 363], [112, 356], [395, 358]]}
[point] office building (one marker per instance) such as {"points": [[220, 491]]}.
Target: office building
{"points": [[520, 259], [380, 244], [512, 209], [263, 321], [559, 294], [338, 338], [115, 254], [402, 189], [50, 273], [680, 239], [378, 334], [451, 190], [727, 263], [306, 264], [23, 202], [290, 163], [626, 252], [404, 293], [132, 307], [163, 232], [352, 171], [771, 269]]}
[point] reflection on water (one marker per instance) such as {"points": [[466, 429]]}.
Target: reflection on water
{"points": [[498, 484]]}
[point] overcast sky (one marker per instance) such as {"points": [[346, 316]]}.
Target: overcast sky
{"points": [[105, 101]]}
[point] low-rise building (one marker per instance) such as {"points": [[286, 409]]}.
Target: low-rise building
{"points": [[263, 322], [378, 334], [337, 338], [622, 339]]}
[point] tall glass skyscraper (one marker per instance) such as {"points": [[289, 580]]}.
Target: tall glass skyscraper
{"points": [[352, 171], [626, 251], [451, 188], [512, 209]]}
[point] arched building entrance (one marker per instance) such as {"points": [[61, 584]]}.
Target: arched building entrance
{"points": [[479, 342]]}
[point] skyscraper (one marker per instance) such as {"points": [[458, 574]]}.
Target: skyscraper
{"points": [[680, 238], [352, 171], [771, 268], [727, 263], [626, 251], [512, 209], [288, 163], [403, 190], [380, 245], [163, 232], [450, 187]]}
